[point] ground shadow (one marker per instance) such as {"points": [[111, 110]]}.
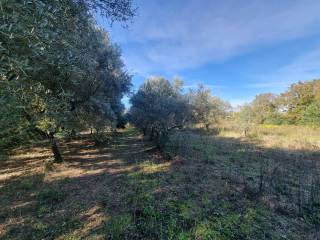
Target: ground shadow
{"points": [[125, 191]]}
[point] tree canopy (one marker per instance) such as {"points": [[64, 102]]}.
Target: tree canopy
{"points": [[58, 67], [207, 109], [159, 107], [298, 105]]}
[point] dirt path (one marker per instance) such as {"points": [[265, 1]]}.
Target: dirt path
{"points": [[73, 198]]}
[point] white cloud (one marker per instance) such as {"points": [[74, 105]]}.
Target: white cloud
{"points": [[177, 35], [305, 67]]}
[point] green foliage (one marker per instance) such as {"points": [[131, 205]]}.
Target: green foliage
{"points": [[264, 107], [200, 102], [245, 118], [207, 109], [311, 213], [311, 115], [176, 219], [300, 104], [297, 99], [51, 196], [120, 227], [157, 108], [59, 71], [27, 183], [274, 118], [231, 225], [120, 10]]}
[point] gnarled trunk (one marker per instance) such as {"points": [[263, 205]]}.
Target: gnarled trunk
{"points": [[55, 148]]}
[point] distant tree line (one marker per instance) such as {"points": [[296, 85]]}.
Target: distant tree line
{"points": [[59, 72], [300, 104], [159, 107]]}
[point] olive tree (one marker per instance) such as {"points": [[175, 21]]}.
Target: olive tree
{"points": [[245, 118], [158, 107], [207, 109], [57, 67]]}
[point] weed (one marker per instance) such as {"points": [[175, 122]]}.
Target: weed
{"points": [[43, 210], [27, 183], [51, 196], [48, 165], [119, 227]]}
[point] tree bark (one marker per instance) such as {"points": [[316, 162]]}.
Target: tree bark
{"points": [[55, 149]]}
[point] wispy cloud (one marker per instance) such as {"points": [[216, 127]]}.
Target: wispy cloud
{"points": [[304, 67], [178, 35]]}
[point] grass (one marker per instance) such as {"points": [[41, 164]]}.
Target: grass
{"points": [[124, 190], [288, 137]]}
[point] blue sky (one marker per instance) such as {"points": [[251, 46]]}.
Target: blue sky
{"points": [[237, 48]]}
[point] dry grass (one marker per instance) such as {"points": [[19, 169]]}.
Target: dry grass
{"points": [[127, 190], [288, 137], [88, 174]]}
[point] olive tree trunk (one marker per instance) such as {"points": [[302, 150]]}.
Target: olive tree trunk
{"points": [[55, 149]]}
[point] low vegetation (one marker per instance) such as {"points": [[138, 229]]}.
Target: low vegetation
{"points": [[216, 186]]}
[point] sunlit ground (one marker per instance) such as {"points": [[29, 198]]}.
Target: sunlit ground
{"points": [[127, 190]]}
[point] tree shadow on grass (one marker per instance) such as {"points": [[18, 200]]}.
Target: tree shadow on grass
{"points": [[71, 199], [125, 191]]}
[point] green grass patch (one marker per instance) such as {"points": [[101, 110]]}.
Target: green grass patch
{"points": [[51, 196]]}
